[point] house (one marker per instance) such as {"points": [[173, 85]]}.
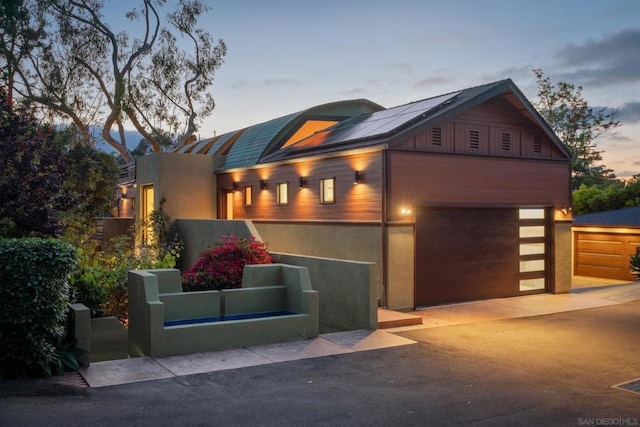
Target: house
{"points": [[458, 197], [603, 243]]}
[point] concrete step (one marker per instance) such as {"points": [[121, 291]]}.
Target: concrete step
{"points": [[396, 319]]}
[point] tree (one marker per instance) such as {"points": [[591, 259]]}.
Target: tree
{"points": [[90, 177], [32, 169], [84, 71], [578, 126]]}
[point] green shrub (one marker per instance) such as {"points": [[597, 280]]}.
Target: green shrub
{"points": [[221, 266], [34, 296], [634, 265]]}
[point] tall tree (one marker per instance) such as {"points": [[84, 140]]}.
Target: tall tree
{"points": [[32, 168], [578, 125], [87, 72]]}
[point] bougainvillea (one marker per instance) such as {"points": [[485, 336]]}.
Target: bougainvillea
{"points": [[221, 266]]}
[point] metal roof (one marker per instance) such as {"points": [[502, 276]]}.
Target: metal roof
{"points": [[378, 127], [246, 151]]}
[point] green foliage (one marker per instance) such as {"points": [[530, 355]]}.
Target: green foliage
{"points": [[609, 196], [32, 180], [34, 296], [634, 265], [100, 281], [221, 266], [578, 126], [91, 176]]}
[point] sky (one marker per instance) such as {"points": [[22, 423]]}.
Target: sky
{"points": [[285, 56]]}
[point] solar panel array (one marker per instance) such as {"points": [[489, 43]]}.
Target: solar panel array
{"points": [[374, 124]]}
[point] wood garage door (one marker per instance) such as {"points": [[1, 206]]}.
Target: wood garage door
{"points": [[465, 254], [599, 254]]}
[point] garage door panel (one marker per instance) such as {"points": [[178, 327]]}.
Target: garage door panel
{"points": [[604, 255], [601, 247], [465, 254]]}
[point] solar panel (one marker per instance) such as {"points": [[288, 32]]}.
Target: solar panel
{"points": [[376, 124]]}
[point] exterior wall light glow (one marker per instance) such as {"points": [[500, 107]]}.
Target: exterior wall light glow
{"points": [[263, 184], [235, 186], [405, 211], [565, 211], [358, 177], [302, 182]]}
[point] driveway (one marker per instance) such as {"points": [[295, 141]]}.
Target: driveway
{"points": [[554, 369]]}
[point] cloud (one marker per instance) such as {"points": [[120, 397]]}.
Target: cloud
{"points": [[430, 82], [271, 82], [611, 59], [283, 81], [356, 91], [629, 112]]}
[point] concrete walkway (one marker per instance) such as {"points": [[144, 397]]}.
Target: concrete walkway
{"points": [[587, 293]]}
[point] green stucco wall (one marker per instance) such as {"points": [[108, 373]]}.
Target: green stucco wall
{"points": [[353, 242]]}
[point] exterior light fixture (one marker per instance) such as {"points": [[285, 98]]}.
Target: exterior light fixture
{"points": [[405, 211], [263, 184], [235, 186], [566, 210], [357, 178], [302, 182]]}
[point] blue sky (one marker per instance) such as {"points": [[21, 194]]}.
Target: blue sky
{"points": [[285, 56]]}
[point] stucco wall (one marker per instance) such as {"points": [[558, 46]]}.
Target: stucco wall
{"points": [[400, 273], [187, 182], [340, 241], [200, 234], [563, 257], [347, 291]]}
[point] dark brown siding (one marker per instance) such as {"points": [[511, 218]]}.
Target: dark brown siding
{"points": [[465, 254], [361, 202], [443, 178], [602, 254], [495, 128]]}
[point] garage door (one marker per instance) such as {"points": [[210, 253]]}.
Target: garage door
{"points": [[604, 254], [465, 254]]}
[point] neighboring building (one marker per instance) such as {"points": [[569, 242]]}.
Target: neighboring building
{"points": [[457, 197], [603, 243]]}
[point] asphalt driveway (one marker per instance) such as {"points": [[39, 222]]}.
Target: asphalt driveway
{"points": [[553, 369]]}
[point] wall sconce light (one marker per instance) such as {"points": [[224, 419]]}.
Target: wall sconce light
{"points": [[357, 178], [263, 184], [302, 182], [565, 211], [405, 211], [234, 186]]}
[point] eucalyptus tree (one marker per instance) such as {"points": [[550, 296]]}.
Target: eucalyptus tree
{"points": [[91, 66], [578, 125]]}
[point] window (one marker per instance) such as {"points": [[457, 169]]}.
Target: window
{"points": [[532, 249], [282, 193], [246, 196], [327, 190]]}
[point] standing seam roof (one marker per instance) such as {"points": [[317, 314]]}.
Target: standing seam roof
{"points": [[246, 151]]}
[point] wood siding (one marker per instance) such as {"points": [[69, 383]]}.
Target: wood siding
{"points": [[418, 178], [465, 254], [495, 128], [361, 202], [605, 254]]}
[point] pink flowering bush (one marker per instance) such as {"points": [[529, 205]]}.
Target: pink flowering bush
{"points": [[221, 266]]}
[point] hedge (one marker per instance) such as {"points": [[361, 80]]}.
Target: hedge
{"points": [[34, 296]]}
